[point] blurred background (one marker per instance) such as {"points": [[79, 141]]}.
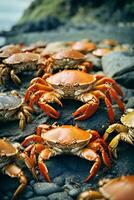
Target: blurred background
{"points": [[66, 16]]}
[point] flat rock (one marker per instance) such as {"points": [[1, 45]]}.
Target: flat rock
{"points": [[120, 65], [43, 188], [38, 198]]}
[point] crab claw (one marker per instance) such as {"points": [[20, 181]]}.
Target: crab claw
{"points": [[49, 110], [90, 155], [86, 110]]}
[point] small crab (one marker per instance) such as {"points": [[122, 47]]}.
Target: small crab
{"points": [[67, 59], [100, 52], [9, 157], [120, 188], [84, 46], [54, 140], [17, 63], [12, 107], [125, 131], [78, 85]]}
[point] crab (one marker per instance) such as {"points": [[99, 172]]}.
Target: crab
{"points": [[52, 140], [125, 131], [66, 59], [100, 52], [12, 107], [78, 85], [84, 46], [120, 188], [9, 157], [17, 63], [9, 50]]}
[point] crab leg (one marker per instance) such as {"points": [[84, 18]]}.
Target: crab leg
{"points": [[15, 78], [108, 80], [37, 148], [44, 127], [31, 138], [90, 195], [114, 127], [22, 118], [90, 155], [99, 94], [105, 88], [14, 171], [97, 145], [49, 110], [87, 110], [35, 97], [45, 155], [38, 80], [35, 87]]}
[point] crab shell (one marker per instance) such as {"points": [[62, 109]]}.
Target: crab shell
{"points": [[67, 138], [71, 82], [26, 60], [121, 188], [7, 149], [128, 119], [84, 46], [9, 104], [68, 57], [101, 52], [9, 50]]}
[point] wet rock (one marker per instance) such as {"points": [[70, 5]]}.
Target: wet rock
{"points": [[38, 198], [74, 192], [60, 180], [43, 188], [59, 196], [120, 65], [28, 192]]}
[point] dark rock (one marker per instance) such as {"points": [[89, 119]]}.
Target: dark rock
{"points": [[28, 192], [38, 198], [60, 180], [43, 188], [120, 66], [74, 192], [59, 196], [130, 103]]}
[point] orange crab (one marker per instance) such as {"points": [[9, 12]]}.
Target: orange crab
{"points": [[65, 59], [54, 140], [76, 85]]}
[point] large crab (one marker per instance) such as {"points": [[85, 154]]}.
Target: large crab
{"points": [[66, 59], [12, 107], [9, 50], [17, 63], [120, 188], [9, 157], [77, 85], [66, 139], [125, 131]]}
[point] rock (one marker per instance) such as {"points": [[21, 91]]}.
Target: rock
{"points": [[60, 180], [120, 65], [95, 60], [28, 192], [38, 198], [59, 196], [74, 192], [43, 188]]}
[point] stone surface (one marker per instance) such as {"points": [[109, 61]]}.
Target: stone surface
{"points": [[120, 66], [38, 198], [43, 188]]}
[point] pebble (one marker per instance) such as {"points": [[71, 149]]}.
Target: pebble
{"points": [[74, 192], [43, 188], [28, 192], [59, 196]]}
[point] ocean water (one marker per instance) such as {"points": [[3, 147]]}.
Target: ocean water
{"points": [[11, 11]]}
